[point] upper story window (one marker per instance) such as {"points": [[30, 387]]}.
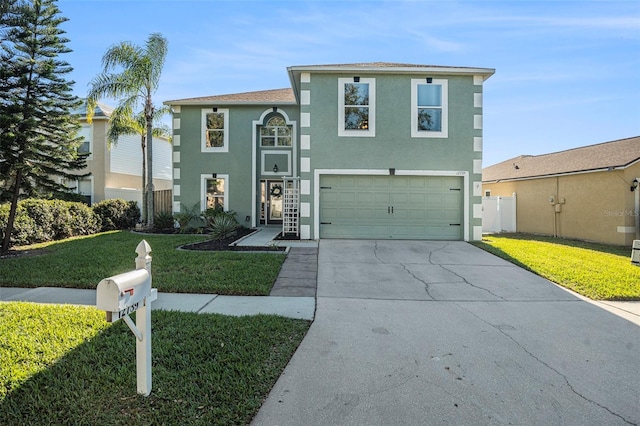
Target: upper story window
{"points": [[429, 108], [86, 132], [357, 107], [275, 133], [215, 130]]}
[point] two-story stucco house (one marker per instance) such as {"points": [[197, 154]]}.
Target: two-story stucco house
{"points": [[116, 170], [370, 150]]}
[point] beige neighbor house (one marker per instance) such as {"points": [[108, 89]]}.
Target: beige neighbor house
{"points": [[116, 171], [589, 193]]}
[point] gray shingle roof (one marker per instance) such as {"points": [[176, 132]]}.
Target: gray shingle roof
{"points": [[260, 97], [615, 154], [101, 111]]}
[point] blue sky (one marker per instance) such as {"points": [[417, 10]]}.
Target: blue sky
{"points": [[567, 72]]}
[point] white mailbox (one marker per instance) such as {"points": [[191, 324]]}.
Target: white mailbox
{"points": [[126, 293], [123, 294]]}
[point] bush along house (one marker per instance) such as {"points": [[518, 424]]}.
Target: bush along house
{"points": [[367, 151]]}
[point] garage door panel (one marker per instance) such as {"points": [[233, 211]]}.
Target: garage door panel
{"points": [[391, 207]]}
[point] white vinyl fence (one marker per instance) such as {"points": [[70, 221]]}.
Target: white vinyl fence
{"points": [[499, 214]]}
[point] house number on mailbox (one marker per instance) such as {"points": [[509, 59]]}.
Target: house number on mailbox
{"points": [[129, 310]]}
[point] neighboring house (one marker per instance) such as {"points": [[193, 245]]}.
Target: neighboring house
{"points": [[588, 193], [116, 171], [372, 150]]}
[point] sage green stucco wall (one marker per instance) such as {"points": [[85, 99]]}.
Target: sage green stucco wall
{"points": [[236, 163], [393, 146]]}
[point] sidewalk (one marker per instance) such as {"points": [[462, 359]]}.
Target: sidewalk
{"points": [[292, 296]]}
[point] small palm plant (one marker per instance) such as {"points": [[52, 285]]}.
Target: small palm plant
{"points": [[223, 226]]}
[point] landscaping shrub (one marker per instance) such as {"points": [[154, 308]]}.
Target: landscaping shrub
{"points": [[117, 214], [223, 226], [39, 220], [163, 221]]}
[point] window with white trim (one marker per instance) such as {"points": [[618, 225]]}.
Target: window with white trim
{"points": [[429, 108], [86, 132], [214, 190], [357, 107], [215, 130], [275, 132]]}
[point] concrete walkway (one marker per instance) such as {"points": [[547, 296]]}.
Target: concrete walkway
{"points": [[414, 333]]}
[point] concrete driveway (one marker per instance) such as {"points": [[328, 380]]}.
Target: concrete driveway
{"points": [[410, 333]]}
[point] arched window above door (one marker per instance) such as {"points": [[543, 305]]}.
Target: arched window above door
{"points": [[275, 132]]}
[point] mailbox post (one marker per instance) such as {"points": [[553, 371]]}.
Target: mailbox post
{"points": [[123, 294]]}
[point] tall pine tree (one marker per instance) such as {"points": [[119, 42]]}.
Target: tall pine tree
{"points": [[38, 135]]}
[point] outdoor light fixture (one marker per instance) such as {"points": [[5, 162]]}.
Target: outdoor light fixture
{"points": [[275, 109], [634, 185], [429, 80], [215, 109], [275, 168], [356, 79]]}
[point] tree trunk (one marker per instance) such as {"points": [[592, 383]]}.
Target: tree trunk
{"points": [[12, 213], [150, 212], [143, 207]]}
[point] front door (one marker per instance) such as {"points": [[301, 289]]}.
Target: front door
{"points": [[271, 200]]}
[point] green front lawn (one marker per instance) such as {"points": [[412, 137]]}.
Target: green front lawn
{"points": [[66, 365], [597, 271], [83, 262]]}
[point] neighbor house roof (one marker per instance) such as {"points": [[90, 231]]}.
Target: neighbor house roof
{"points": [[279, 96], [612, 155], [101, 111]]}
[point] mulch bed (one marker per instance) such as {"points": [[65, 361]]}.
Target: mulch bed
{"points": [[223, 245]]}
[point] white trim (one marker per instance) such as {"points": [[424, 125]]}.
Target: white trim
{"points": [[254, 156], [176, 156], [477, 233], [203, 130], [305, 77], [305, 232], [176, 207], [305, 187], [319, 172], [477, 188], [269, 171], [371, 131], [478, 80], [176, 173], [176, 109], [305, 165], [176, 124], [305, 97], [477, 100], [305, 142], [626, 229], [176, 140], [176, 190], [444, 130], [477, 121], [477, 211], [477, 167], [477, 143], [305, 119], [203, 189], [305, 209]]}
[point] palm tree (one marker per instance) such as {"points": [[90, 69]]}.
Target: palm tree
{"points": [[123, 122], [138, 79]]}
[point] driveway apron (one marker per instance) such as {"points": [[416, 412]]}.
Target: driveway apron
{"points": [[419, 332]]}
